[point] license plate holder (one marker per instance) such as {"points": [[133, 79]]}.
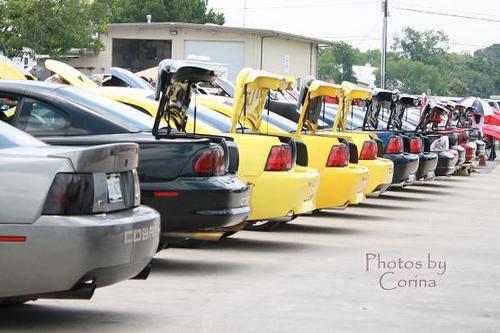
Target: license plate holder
{"points": [[114, 188]]}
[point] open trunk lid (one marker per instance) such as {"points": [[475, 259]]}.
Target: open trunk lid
{"points": [[73, 76], [250, 97]]}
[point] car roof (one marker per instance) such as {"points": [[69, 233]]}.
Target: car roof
{"points": [[29, 85]]}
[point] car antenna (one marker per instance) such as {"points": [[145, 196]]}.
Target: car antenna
{"points": [[195, 109], [324, 106], [244, 110], [268, 107]]}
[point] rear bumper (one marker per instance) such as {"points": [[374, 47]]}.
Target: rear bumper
{"points": [[341, 186], [61, 252], [446, 163], [198, 203], [427, 165], [277, 194], [380, 172], [405, 165]]}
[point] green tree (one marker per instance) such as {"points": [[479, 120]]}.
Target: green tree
{"points": [[413, 77], [193, 11], [51, 27], [425, 46], [336, 63]]}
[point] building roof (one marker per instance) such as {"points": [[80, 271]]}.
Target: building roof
{"points": [[215, 27]]}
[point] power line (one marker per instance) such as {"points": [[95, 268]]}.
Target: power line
{"points": [[447, 14], [460, 11]]}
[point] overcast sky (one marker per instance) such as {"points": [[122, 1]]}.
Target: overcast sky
{"points": [[359, 22]]}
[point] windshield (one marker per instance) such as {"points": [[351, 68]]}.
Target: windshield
{"points": [[11, 137], [109, 108]]}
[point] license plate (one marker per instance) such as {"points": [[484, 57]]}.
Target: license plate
{"points": [[114, 188]]}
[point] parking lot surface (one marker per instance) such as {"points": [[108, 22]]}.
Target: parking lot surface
{"points": [[424, 258]]}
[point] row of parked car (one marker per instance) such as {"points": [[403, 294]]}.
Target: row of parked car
{"points": [[96, 178]]}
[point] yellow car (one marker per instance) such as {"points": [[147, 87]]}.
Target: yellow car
{"points": [[380, 169], [341, 183], [281, 189]]}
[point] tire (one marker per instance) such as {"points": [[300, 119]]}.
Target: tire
{"points": [[263, 225]]}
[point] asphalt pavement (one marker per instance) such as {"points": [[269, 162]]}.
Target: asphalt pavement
{"points": [[421, 259]]}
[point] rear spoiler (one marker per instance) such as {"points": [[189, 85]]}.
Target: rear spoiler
{"points": [[109, 158]]}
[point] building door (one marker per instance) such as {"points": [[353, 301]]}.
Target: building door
{"points": [[139, 54], [231, 54]]}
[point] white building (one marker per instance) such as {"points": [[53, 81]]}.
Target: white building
{"points": [[138, 46]]}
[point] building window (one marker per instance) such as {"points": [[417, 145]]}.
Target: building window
{"points": [[139, 54]]}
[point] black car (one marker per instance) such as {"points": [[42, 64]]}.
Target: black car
{"points": [[431, 144], [191, 180]]}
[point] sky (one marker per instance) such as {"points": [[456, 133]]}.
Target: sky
{"points": [[359, 22]]}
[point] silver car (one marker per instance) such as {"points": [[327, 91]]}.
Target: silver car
{"points": [[70, 219]]}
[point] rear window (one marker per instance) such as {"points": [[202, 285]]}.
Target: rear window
{"points": [[210, 117], [109, 108], [11, 137]]}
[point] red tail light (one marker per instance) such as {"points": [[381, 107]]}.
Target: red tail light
{"points": [[369, 151], [70, 194], [279, 159], [339, 156], [416, 146], [395, 145], [211, 162]]}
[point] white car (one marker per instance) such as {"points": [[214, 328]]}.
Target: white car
{"points": [[70, 218]]}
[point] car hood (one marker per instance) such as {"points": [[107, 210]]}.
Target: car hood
{"points": [[250, 96], [69, 74]]}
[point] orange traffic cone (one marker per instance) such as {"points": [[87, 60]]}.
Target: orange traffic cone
{"points": [[482, 160]]}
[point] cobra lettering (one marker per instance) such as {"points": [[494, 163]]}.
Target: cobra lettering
{"points": [[139, 235]]}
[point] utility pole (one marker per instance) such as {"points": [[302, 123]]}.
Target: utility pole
{"points": [[244, 12], [384, 45]]}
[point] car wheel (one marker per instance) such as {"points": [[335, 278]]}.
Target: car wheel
{"points": [[290, 220], [263, 225]]}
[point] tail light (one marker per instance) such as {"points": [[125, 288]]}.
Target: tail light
{"points": [[70, 194], [211, 162], [339, 156], [280, 158], [416, 146], [369, 151], [395, 145]]}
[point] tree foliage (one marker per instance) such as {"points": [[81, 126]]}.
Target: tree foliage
{"points": [[420, 61], [53, 27], [192, 11], [50, 27], [424, 46], [336, 63]]}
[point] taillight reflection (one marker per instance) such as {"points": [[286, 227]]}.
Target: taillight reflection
{"points": [[280, 158], [339, 156], [211, 162], [369, 151], [395, 145]]}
